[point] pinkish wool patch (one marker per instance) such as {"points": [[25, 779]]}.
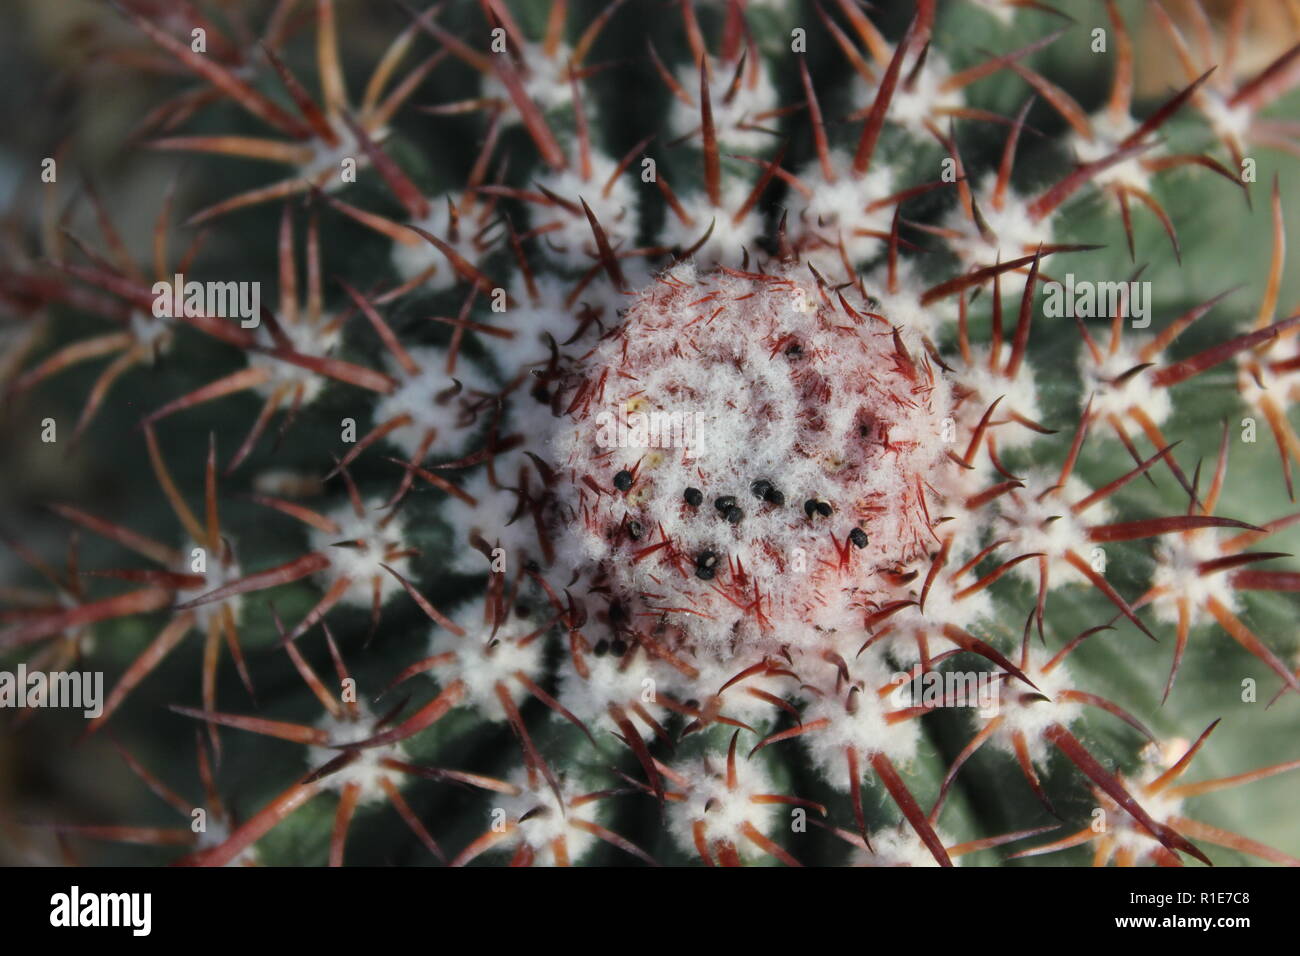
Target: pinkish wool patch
{"points": [[745, 458]]}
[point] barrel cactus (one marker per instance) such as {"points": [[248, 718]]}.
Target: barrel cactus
{"points": [[651, 432]]}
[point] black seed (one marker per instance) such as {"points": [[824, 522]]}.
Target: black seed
{"points": [[531, 565], [795, 349], [602, 646], [760, 488], [634, 530], [623, 480], [815, 506], [694, 497], [858, 537], [774, 497], [734, 514], [618, 648], [704, 563], [522, 610], [692, 704], [725, 502], [540, 393]]}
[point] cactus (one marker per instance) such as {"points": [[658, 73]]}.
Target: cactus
{"points": [[702, 431]]}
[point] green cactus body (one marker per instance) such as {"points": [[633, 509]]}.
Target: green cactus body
{"points": [[712, 432]]}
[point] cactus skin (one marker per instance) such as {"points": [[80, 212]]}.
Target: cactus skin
{"points": [[445, 613]]}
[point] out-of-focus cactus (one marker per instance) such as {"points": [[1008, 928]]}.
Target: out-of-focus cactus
{"points": [[582, 432]]}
